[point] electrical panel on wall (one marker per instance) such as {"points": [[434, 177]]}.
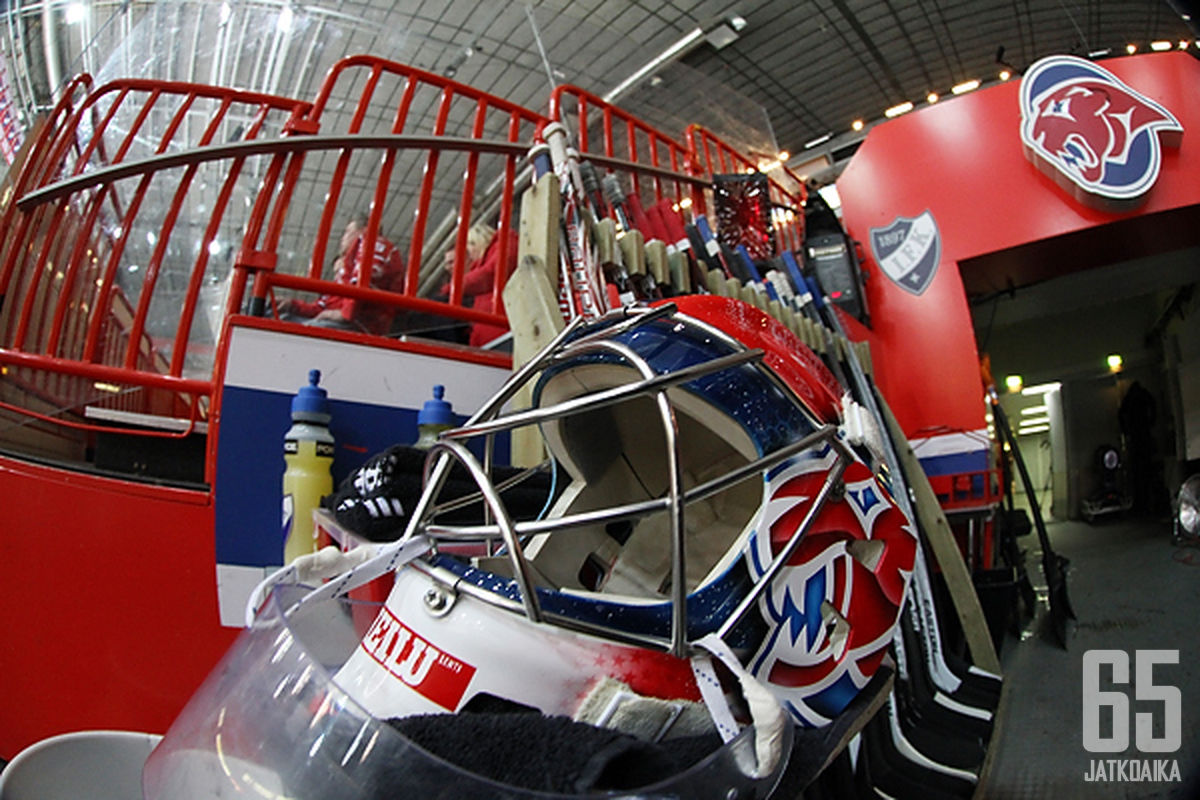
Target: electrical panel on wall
{"points": [[832, 259]]}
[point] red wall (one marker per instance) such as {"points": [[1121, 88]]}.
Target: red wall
{"points": [[962, 160], [112, 629]]}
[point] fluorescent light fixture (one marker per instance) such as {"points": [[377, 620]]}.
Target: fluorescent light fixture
{"points": [[1029, 411], [857, 125], [1033, 421], [1034, 429], [107, 387], [721, 36], [965, 86], [897, 110], [932, 97], [1100, 53], [1160, 46], [1042, 388], [832, 198], [689, 40], [1014, 383], [822, 139]]}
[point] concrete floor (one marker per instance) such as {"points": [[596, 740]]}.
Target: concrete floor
{"points": [[1131, 590]]}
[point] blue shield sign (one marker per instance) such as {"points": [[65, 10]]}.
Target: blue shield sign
{"points": [[908, 251]]}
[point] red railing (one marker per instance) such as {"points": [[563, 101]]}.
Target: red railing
{"points": [[444, 135], [69, 267], [654, 169], [626, 144], [146, 210]]}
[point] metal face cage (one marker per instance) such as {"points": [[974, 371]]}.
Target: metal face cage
{"points": [[672, 383]]}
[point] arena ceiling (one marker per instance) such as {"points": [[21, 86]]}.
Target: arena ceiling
{"points": [[769, 74]]}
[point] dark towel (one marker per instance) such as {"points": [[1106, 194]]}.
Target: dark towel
{"points": [[551, 754]]}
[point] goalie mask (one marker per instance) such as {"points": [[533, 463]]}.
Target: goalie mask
{"points": [[701, 491]]}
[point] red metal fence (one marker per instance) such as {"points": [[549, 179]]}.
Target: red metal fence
{"points": [[147, 209], [149, 212]]}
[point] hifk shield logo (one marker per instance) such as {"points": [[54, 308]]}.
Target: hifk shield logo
{"points": [[1096, 137], [908, 251]]}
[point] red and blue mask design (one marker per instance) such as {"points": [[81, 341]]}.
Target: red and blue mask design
{"points": [[832, 610]]}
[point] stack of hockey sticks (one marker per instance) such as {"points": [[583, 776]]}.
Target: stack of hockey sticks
{"points": [[931, 738]]}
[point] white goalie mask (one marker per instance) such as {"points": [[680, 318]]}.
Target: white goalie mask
{"points": [[705, 510], [702, 490]]}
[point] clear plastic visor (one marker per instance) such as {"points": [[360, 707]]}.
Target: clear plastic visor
{"points": [[270, 723]]}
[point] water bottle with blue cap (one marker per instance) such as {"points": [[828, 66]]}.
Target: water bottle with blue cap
{"points": [[434, 417], [308, 454]]}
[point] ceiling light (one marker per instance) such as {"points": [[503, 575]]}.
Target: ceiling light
{"points": [[721, 36], [822, 139], [784, 155], [1042, 388], [1034, 429], [1100, 53], [286, 16], [1183, 44], [897, 110], [689, 40], [1033, 421], [932, 97], [737, 22], [830, 193], [1013, 383], [1005, 74], [1160, 46], [856, 125], [1115, 362], [965, 86], [74, 13], [1131, 48], [1040, 408]]}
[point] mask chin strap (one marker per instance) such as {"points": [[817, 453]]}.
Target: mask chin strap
{"points": [[349, 570], [766, 714]]}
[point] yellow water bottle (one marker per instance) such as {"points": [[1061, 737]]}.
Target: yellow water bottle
{"points": [[308, 454]]}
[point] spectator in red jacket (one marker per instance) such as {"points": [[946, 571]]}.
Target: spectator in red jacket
{"points": [[483, 257], [348, 313]]}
